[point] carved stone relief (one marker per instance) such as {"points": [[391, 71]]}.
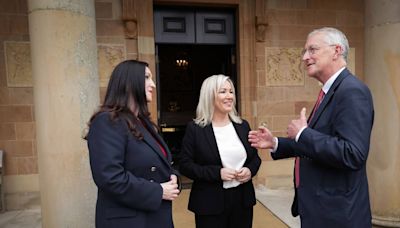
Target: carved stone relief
{"points": [[18, 64], [109, 55], [284, 66]]}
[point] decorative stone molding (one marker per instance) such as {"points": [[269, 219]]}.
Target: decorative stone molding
{"points": [[385, 221], [261, 28], [18, 64], [261, 20], [130, 19], [109, 55], [284, 66]]}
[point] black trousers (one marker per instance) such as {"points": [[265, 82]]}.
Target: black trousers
{"points": [[234, 214]]}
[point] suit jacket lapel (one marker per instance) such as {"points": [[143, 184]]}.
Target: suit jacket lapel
{"points": [[152, 142], [241, 133], [328, 97]]}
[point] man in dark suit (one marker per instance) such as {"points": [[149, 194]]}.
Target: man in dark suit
{"points": [[331, 147]]}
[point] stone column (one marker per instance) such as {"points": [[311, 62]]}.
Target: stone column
{"points": [[382, 74], [145, 44], [66, 92]]}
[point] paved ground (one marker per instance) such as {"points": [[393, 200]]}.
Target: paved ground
{"points": [[182, 217], [30, 218], [275, 213], [279, 201], [185, 219]]}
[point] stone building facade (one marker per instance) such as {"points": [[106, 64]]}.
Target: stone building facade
{"points": [[56, 57]]}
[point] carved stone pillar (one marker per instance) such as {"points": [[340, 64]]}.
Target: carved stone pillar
{"points": [[382, 74], [66, 93]]}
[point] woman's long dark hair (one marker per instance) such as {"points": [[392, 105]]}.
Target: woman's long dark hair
{"points": [[127, 82]]}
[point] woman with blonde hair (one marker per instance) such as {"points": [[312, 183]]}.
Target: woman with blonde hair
{"points": [[217, 156]]}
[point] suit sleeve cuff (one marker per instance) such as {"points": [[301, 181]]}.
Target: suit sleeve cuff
{"points": [[299, 133], [276, 145]]}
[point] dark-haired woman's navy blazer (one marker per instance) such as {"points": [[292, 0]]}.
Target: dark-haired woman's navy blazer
{"points": [[128, 173], [200, 161]]}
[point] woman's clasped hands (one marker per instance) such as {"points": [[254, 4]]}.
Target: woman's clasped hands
{"points": [[170, 189], [242, 175]]}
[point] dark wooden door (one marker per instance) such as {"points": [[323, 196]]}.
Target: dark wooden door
{"points": [[191, 44], [194, 26]]}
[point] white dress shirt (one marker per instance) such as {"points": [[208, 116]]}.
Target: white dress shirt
{"points": [[325, 88]]}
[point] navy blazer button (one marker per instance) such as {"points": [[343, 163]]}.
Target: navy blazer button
{"points": [[153, 169], [151, 180]]}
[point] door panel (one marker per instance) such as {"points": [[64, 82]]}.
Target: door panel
{"points": [[191, 44], [194, 27], [174, 26], [214, 28]]}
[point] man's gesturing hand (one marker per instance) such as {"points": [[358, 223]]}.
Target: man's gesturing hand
{"points": [[296, 125], [262, 138]]}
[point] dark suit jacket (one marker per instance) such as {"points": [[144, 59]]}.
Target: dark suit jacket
{"points": [[127, 172], [333, 152], [200, 161]]}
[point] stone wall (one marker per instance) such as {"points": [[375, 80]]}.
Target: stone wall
{"points": [[272, 85], [282, 86], [17, 121]]}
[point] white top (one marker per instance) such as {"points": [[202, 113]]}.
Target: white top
{"points": [[231, 150]]}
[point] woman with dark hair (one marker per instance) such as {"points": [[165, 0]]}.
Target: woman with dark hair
{"points": [[130, 162]]}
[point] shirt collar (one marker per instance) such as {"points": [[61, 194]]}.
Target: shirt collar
{"points": [[331, 80]]}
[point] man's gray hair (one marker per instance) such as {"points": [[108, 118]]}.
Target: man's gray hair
{"points": [[334, 36]]}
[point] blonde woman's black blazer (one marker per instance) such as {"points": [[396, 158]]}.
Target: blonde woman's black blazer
{"points": [[200, 161]]}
